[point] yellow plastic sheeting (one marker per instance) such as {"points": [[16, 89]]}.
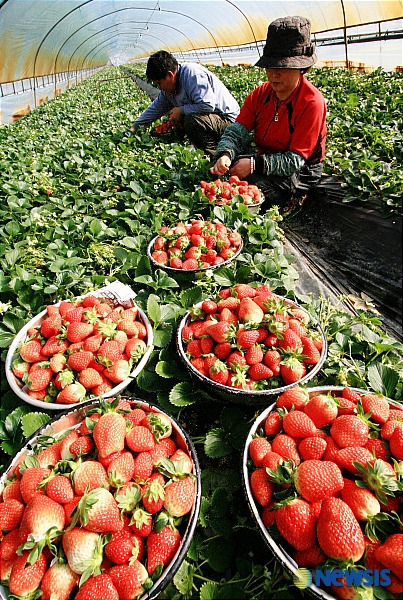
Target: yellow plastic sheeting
{"points": [[42, 37]]}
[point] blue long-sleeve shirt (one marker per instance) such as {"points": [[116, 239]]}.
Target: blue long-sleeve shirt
{"points": [[197, 91]]}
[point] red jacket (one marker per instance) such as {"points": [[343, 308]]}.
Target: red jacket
{"points": [[297, 124]]}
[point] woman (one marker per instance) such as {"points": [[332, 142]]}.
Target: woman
{"points": [[288, 118]]}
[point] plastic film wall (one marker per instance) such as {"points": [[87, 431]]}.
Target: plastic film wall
{"points": [[42, 37]]}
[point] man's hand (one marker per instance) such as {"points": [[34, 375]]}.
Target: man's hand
{"points": [[221, 166], [175, 114], [241, 167]]}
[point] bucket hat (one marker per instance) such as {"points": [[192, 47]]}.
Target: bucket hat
{"points": [[288, 45]]}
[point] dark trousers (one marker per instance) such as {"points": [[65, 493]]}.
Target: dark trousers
{"points": [[281, 191], [205, 131]]}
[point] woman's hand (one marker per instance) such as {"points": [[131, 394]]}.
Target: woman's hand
{"points": [[241, 167], [221, 166]]}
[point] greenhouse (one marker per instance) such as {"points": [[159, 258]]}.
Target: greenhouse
{"points": [[201, 300]]}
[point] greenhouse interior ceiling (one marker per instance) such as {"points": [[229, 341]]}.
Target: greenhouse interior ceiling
{"points": [[45, 37]]}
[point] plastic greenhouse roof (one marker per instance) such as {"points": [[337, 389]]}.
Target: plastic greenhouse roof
{"points": [[42, 37]]}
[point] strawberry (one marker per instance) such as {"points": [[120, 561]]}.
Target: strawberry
{"points": [[160, 256], [98, 511], [272, 358], [153, 493], [98, 587], [30, 480], [218, 372], [259, 371], [322, 409], [243, 290], [19, 368], [190, 264], [378, 448], [143, 466], [312, 557], [54, 345], [345, 407], [51, 326], [298, 425], [194, 349], [286, 447], [246, 338], [297, 524], [316, 479], [31, 351], [249, 311], [346, 457], [11, 512], [74, 315], [220, 332], [41, 514], [71, 394], [57, 362], [89, 474], [39, 379], [362, 501], [310, 351], [222, 350], [312, 448], [82, 445], [298, 327], [296, 397], [58, 582], [235, 360], [59, 489], [90, 378], [79, 360], [124, 547], [129, 579], [206, 345], [390, 554], [109, 433], [140, 439], [258, 448], [50, 456], [64, 306], [120, 470], [261, 486], [273, 424], [10, 544], [12, 490], [180, 496], [290, 341], [161, 547], [254, 355], [292, 370], [119, 371], [26, 578], [77, 332], [351, 395], [90, 300], [338, 531], [230, 303], [349, 430], [377, 405], [396, 443]]}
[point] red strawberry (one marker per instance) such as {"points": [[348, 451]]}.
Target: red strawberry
{"points": [[345, 407], [338, 531], [77, 332], [258, 448], [82, 445], [236, 359], [390, 554], [180, 496], [218, 372], [351, 395], [140, 439], [41, 514], [121, 469], [26, 578], [312, 448], [310, 351], [12, 490], [58, 582], [59, 489], [396, 443], [254, 355], [316, 479], [312, 557], [249, 311], [31, 351], [51, 326], [272, 358], [89, 474], [362, 501], [322, 409], [74, 315], [129, 579], [349, 430], [39, 379], [79, 360], [119, 371], [9, 545], [296, 397], [160, 256], [243, 290], [90, 378], [222, 350], [230, 303], [11, 512], [190, 264], [273, 424], [259, 371], [297, 524], [71, 394], [377, 405], [161, 547], [292, 370], [54, 345], [220, 332], [261, 486], [298, 425], [194, 348], [98, 511], [246, 338], [98, 588], [30, 480], [153, 493], [143, 465], [345, 458], [290, 340], [109, 433], [124, 547], [286, 447]]}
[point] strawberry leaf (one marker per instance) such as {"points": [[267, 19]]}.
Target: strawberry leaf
{"points": [[31, 422], [182, 394], [216, 443], [183, 579]]}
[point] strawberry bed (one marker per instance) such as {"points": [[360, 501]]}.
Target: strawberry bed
{"points": [[81, 200]]}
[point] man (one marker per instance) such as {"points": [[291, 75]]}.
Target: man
{"points": [[287, 115], [191, 95]]}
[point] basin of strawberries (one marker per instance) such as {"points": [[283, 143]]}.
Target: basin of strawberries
{"points": [[101, 502], [234, 190], [248, 343], [80, 349], [322, 472], [194, 247]]}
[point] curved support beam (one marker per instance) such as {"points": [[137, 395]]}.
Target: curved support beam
{"points": [[250, 26]]}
